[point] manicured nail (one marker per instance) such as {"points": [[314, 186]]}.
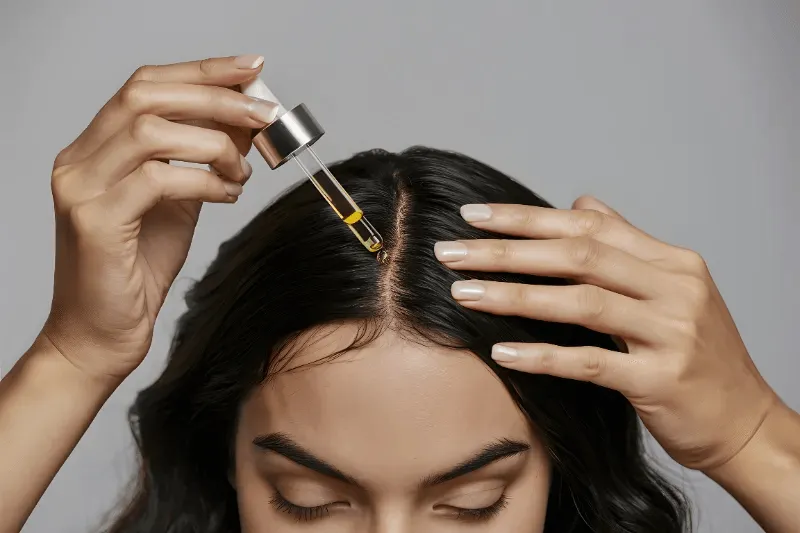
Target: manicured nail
{"points": [[263, 110], [248, 170], [476, 212], [249, 61], [233, 189], [450, 251], [468, 290], [504, 354]]}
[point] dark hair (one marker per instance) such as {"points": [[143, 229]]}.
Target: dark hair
{"points": [[296, 266]]}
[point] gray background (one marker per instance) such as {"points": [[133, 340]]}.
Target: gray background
{"points": [[683, 115]]}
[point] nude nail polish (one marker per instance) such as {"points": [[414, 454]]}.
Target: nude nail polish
{"points": [[504, 354], [476, 212], [233, 189], [450, 251], [246, 167], [249, 61], [468, 290], [263, 110]]}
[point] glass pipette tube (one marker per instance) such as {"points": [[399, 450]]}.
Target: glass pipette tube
{"points": [[338, 199]]}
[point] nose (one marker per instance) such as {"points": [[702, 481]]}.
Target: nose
{"points": [[393, 520]]}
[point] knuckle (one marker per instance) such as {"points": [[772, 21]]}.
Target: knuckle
{"points": [[134, 94], [520, 295], [696, 291], [143, 128], [62, 157], [526, 217], [588, 222], [221, 144], [584, 253], [85, 220], [144, 73], [593, 364], [501, 250], [591, 301], [150, 171], [548, 359], [59, 185], [684, 329], [693, 261], [206, 67]]}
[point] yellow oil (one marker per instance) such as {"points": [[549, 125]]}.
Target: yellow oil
{"points": [[366, 234], [339, 200]]}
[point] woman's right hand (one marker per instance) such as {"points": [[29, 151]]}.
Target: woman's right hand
{"points": [[125, 217]]}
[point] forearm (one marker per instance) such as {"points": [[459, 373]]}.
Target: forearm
{"points": [[46, 404], [765, 476]]}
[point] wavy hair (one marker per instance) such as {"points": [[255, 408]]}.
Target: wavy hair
{"points": [[296, 266]]}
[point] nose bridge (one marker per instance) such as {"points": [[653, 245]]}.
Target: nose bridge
{"points": [[392, 518]]}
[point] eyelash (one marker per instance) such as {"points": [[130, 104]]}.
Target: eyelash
{"points": [[298, 512], [307, 514], [484, 513]]}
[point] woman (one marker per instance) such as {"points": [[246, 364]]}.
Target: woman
{"points": [[311, 388]]}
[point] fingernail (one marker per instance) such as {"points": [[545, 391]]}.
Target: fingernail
{"points": [[468, 290], [249, 61], [233, 189], [450, 251], [248, 170], [263, 110], [476, 212], [504, 354]]}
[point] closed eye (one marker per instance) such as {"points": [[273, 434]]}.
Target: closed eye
{"points": [[484, 513], [300, 512], [479, 514]]}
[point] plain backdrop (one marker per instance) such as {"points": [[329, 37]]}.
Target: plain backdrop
{"points": [[683, 115]]}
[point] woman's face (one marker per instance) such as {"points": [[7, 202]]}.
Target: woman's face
{"points": [[394, 437]]}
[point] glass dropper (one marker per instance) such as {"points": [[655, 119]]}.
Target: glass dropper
{"points": [[290, 136], [338, 199]]}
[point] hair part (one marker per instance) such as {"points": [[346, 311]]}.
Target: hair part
{"points": [[278, 279]]}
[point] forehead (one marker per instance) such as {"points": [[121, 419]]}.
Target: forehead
{"points": [[391, 402]]}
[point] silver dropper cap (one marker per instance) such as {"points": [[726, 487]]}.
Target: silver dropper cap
{"points": [[291, 133]]}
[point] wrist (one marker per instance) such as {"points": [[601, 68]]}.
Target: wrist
{"points": [[777, 441], [46, 356], [765, 475]]}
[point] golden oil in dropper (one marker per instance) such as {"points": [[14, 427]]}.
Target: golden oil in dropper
{"points": [[338, 199], [290, 136]]}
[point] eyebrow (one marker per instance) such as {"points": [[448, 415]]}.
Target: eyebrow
{"points": [[283, 445]]}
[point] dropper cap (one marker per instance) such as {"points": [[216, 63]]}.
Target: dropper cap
{"points": [[291, 133]]}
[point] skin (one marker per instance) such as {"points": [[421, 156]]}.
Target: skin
{"points": [[391, 448], [124, 223]]}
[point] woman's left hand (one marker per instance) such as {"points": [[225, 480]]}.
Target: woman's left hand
{"points": [[687, 371]]}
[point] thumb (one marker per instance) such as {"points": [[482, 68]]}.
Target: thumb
{"points": [[590, 202]]}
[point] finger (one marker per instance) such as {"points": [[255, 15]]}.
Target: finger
{"points": [[241, 137], [152, 137], [547, 223], [590, 202], [153, 182], [176, 101], [582, 259], [584, 305], [584, 363], [222, 72]]}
